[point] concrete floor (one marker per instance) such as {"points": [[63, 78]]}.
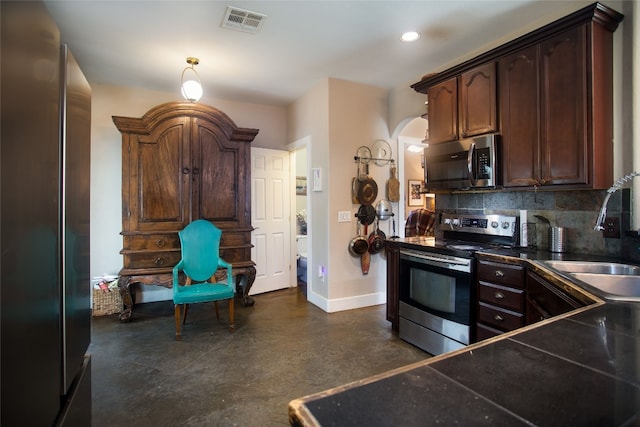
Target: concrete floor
{"points": [[283, 348]]}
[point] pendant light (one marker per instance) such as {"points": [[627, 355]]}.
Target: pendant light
{"points": [[191, 87]]}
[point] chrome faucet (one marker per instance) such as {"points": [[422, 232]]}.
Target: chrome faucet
{"points": [[603, 210]]}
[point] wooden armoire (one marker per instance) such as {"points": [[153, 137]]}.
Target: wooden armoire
{"points": [[183, 161]]}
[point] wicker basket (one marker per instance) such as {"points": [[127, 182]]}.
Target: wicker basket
{"points": [[105, 303]]}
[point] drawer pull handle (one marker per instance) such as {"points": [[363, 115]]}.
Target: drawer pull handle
{"points": [[498, 318], [499, 273], [159, 261], [160, 243], [499, 295]]}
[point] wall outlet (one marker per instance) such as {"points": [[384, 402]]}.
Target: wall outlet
{"points": [[344, 216], [611, 228]]}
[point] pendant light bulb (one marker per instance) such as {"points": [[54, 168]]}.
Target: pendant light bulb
{"points": [[190, 86]]}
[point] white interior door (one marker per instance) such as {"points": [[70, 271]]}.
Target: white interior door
{"points": [[270, 216]]}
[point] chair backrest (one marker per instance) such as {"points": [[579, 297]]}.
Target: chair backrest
{"points": [[420, 222], [200, 247]]}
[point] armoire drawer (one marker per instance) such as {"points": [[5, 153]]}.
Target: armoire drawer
{"points": [[151, 242], [161, 259], [235, 238], [235, 255]]}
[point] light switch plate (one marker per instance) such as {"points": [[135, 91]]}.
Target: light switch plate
{"points": [[316, 179], [344, 216]]}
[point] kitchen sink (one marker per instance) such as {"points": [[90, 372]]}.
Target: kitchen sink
{"points": [[606, 268], [614, 281], [613, 286]]}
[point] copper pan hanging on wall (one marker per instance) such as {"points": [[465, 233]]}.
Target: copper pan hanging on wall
{"points": [[359, 245], [367, 191], [376, 240]]}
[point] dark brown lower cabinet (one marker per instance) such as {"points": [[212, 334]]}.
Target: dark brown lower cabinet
{"points": [[545, 300], [392, 249], [500, 306]]}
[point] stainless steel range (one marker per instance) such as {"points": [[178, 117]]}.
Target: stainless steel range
{"points": [[437, 279]]}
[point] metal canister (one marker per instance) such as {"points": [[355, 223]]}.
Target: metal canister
{"points": [[557, 239]]}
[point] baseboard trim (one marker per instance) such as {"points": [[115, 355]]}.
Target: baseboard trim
{"points": [[349, 303]]}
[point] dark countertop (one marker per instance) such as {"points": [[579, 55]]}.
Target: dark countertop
{"points": [[578, 369]]}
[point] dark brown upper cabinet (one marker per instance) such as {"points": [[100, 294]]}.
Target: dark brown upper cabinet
{"points": [[478, 111], [463, 106], [543, 105], [554, 107], [519, 99], [443, 111]]}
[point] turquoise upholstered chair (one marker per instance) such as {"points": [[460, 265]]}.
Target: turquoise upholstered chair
{"points": [[200, 243]]}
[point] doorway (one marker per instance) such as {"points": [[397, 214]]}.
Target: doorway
{"points": [[411, 138], [302, 226], [270, 217]]}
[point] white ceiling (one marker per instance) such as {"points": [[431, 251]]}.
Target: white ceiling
{"points": [[145, 43]]}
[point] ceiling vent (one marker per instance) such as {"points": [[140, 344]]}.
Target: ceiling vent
{"points": [[243, 20]]}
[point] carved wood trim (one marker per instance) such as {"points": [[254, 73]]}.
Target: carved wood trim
{"points": [[596, 12], [162, 112]]}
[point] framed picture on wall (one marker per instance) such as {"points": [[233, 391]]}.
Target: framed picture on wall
{"points": [[415, 197]]}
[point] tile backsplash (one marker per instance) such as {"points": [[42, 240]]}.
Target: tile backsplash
{"points": [[577, 211]]}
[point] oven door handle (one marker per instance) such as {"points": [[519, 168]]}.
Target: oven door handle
{"points": [[470, 155], [438, 260]]}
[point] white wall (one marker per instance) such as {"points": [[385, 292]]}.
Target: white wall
{"points": [[339, 116], [308, 119], [358, 116], [405, 104], [106, 157]]}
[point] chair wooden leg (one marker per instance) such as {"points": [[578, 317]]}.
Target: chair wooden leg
{"points": [[184, 318], [177, 314], [217, 313], [232, 326]]}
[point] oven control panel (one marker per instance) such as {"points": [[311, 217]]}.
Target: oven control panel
{"points": [[492, 225]]}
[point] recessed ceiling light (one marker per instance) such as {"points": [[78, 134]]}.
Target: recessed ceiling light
{"points": [[410, 36]]}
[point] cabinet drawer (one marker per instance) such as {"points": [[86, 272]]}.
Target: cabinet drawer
{"points": [[236, 254], [138, 260], [235, 238], [484, 332], [152, 242], [503, 274], [500, 318], [169, 241], [502, 296]]}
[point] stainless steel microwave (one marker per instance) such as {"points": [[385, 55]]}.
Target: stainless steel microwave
{"points": [[464, 164]]}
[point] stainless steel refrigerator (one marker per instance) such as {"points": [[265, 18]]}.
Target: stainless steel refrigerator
{"points": [[45, 286]]}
